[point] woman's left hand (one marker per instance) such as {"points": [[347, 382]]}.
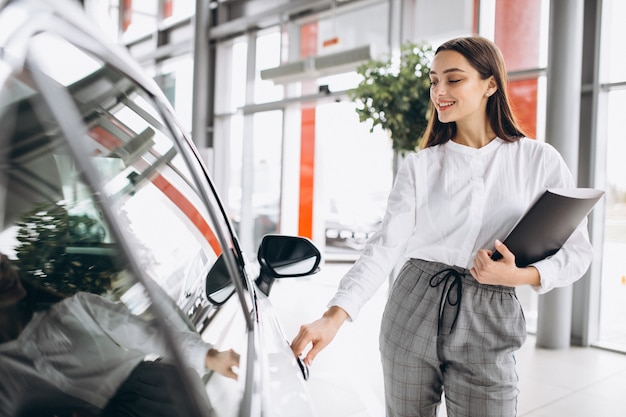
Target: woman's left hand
{"points": [[503, 271]]}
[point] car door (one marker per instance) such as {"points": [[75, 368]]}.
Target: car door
{"points": [[106, 195], [102, 196]]}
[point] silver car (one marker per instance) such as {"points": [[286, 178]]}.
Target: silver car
{"points": [[102, 193]]}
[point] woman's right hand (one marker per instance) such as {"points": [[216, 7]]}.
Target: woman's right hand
{"points": [[225, 362], [319, 333]]}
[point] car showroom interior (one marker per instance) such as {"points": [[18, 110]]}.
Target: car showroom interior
{"points": [[189, 186]]}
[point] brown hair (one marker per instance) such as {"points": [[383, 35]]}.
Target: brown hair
{"points": [[19, 299], [484, 56]]}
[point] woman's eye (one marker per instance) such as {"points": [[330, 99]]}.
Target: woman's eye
{"points": [[433, 83], [454, 81]]}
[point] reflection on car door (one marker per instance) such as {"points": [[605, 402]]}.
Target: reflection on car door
{"points": [[104, 202]]}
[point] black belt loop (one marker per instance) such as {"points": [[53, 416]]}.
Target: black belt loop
{"points": [[442, 277]]}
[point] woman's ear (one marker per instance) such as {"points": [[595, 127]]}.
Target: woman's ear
{"points": [[492, 86]]}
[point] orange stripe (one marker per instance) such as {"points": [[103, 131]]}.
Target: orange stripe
{"points": [[517, 33], [110, 141], [308, 40], [307, 171], [127, 12], [523, 96], [168, 8], [308, 47], [330, 42], [104, 137], [476, 20], [190, 211]]}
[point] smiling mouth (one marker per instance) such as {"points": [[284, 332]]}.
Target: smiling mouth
{"points": [[445, 105]]}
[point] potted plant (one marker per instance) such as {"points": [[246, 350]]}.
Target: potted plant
{"points": [[50, 239], [395, 93]]}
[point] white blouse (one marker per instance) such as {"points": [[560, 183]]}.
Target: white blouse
{"points": [[451, 200]]}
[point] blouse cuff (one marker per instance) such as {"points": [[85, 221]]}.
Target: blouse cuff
{"points": [[351, 306], [546, 273], [197, 358]]}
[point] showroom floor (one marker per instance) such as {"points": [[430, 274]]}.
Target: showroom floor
{"points": [[346, 378]]}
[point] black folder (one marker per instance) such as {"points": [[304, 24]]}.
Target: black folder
{"points": [[548, 223]]}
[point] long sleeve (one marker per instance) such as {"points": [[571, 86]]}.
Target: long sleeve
{"points": [[134, 333], [384, 250]]}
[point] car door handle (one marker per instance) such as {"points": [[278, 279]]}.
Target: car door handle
{"points": [[303, 367]]}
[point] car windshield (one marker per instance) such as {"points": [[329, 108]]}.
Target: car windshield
{"points": [[117, 213]]}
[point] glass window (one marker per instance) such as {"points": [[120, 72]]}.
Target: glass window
{"points": [[178, 9], [264, 172], [614, 33], [102, 215], [267, 140], [612, 328], [230, 94], [262, 145], [176, 81], [140, 17], [267, 56], [613, 287], [519, 32], [357, 178], [366, 25]]}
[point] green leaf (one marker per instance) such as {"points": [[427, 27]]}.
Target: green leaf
{"points": [[395, 93]]}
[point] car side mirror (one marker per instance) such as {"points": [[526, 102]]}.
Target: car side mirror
{"points": [[285, 257], [219, 286]]}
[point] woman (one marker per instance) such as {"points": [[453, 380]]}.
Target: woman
{"points": [[87, 353], [452, 321]]}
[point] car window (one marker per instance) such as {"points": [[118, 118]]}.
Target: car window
{"points": [[128, 207]]}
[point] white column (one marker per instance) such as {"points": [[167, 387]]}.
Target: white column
{"points": [[562, 131]]}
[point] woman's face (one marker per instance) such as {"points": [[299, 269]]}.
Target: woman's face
{"points": [[458, 92]]}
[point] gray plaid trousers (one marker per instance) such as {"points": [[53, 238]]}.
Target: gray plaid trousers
{"points": [[443, 331]]}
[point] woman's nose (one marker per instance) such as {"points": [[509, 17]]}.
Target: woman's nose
{"points": [[436, 90]]}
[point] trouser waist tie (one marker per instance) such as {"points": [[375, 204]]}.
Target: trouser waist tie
{"points": [[443, 277]]}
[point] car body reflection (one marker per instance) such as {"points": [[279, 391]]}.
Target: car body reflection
{"points": [[102, 192]]}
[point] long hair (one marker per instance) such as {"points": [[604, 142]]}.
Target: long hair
{"points": [[484, 56], [14, 318]]}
